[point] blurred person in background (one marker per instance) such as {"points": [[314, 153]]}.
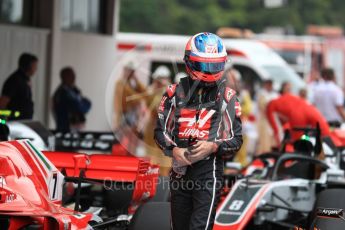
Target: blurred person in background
{"points": [[293, 111], [233, 77], [179, 76], [303, 93], [16, 92], [69, 106], [313, 83], [129, 107], [161, 78], [234, 81], [285, 88], [329, 98], [128, 97], [265, 133]]}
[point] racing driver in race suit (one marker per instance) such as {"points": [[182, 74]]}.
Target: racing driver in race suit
{"points": [[198, 126]]}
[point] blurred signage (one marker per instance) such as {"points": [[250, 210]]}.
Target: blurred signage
{"points": [[274, 3], [92, 141], [325, 31], [131, 46], [172, 49]]}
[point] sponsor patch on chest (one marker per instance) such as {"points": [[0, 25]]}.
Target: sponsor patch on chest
{"points": [[195, 123]]}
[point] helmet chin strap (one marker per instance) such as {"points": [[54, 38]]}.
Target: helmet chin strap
{"points": [[204, 84], [193, 87]]}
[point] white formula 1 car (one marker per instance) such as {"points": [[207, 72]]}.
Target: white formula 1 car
{"points": [[289, 190]]}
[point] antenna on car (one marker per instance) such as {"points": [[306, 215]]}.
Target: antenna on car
{"points": [[318, 141], [286, 138]]}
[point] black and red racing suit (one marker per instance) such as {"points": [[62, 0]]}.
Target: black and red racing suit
{"points": [[206, 113]]}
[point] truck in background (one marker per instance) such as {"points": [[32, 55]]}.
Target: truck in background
{"points": [[303, 53], [254, 60], [323, 46]]}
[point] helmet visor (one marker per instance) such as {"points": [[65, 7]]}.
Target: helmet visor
{"points": [[206, 67]]}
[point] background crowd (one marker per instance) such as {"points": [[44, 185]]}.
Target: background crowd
{"points": [[265, 114], [68, 105]]}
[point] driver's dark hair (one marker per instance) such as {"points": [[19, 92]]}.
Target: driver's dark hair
{"points": [[25, 61]]}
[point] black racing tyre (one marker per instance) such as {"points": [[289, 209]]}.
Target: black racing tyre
{"points": [[151, 215], [4, 222], [162, 190], [330, 198], [117, 197]]}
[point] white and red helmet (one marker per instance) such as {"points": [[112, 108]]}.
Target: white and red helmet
{"points": [[205, 57]]}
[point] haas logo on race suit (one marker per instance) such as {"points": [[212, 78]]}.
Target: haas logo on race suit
{"points": [[191, 127]]}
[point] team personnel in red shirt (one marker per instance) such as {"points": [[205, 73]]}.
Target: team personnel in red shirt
{"points": [[296, 112]]}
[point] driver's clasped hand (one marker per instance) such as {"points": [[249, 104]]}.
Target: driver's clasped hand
{"points": [[187, 156], [202, 150]]}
